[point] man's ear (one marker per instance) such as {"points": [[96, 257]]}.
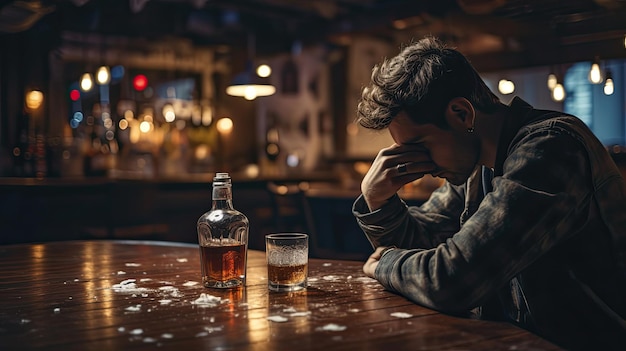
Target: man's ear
{"points": [[460, 114]]}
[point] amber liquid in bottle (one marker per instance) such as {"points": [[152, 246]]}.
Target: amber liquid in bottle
{"points": [[223, 239]]}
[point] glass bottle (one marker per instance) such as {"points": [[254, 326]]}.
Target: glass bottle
{"points": [[223, 239]]}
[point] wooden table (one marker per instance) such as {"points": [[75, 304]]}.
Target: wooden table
{"points": [[121, 295]]}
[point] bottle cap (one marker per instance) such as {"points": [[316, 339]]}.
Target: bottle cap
{"points": [[222, 178]]}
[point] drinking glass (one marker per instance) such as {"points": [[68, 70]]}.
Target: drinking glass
{"points": [[287, 261]]}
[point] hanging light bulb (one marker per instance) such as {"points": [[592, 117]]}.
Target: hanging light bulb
{"points": [[103, 76], [552, 81], [609, 87], [558, 93], [506, 86], [86, 82], [595, 75], [264, 71], [34, 98]]}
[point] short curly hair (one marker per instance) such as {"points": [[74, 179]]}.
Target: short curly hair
{"points": [[421, 80]]}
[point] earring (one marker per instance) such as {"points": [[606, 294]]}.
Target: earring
{"points": [[470, 130]]}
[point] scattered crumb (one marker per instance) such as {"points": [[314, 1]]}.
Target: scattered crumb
{"points": [[137, 331], [135, 308], [130, 264], [332, 327], [401, 315], [277, 319], [57, 310], [206, 300], [331, 277], [120, 272], [190, 283], [167, 335], [181, 260]]}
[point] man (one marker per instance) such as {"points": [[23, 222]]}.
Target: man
{"points": [[530, 225]]}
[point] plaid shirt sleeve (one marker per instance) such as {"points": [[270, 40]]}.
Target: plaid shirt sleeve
{"points": [[537, 202]]}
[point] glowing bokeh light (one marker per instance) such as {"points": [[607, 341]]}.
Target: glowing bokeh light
{"points": [[140, 82], [74, 95], [145, 126], [34, 99], [264, 71], [224, 125]]}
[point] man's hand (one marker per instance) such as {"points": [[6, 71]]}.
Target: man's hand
{"points": [[385, 177], [370, 265]]}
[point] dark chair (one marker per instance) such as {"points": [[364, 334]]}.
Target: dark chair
{"points": [[292, 213]]}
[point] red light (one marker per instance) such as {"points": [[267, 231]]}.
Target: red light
{"points": [[140, 82], [74, 94]]}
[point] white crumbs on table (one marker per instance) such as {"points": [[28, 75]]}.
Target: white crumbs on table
{"points": [[121, 272], [135, 308], [131, 264], [206, 300], [401, 315], [332, 327], [277, 319], [57, 310], [331, 277], [167, 335], [128, 286], [190, 283], [181, 260], [137, 331]]}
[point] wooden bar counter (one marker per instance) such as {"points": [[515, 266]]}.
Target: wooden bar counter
{"points": [[131, 295]]}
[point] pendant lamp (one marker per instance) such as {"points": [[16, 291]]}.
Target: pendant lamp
{"points": [[248, 84]]}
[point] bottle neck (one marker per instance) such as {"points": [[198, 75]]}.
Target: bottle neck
{"points": [[222, 197]]}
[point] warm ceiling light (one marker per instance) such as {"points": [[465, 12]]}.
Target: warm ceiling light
{"points": [[558, 93], [264, 71], [86, 82], [595, 75], [609, 87], [34, 98], [103, 76], [248, 84], [506, 86]]}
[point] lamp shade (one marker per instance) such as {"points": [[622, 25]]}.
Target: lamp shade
{"points": [[249, 85]]}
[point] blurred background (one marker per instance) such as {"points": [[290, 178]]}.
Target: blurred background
{"points": [[115, 114]]}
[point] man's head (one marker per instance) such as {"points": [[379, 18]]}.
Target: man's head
{"points": [[421, 81]]}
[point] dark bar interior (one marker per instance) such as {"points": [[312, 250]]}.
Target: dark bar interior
{"points": [[114, 115]]}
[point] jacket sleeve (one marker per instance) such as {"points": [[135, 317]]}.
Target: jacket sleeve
{"points": [[396, 224]]}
